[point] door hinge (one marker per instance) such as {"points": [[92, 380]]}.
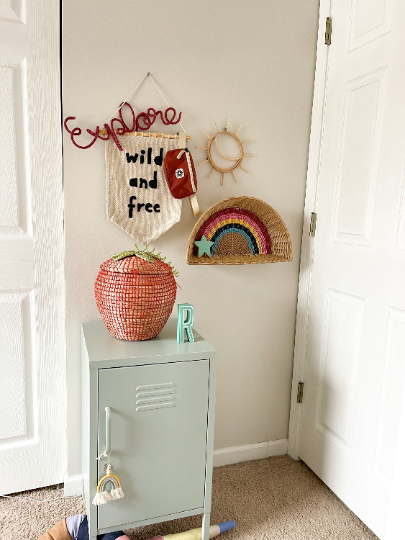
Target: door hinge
{"points": [[300, 393], [312, 225], [328, 32]]}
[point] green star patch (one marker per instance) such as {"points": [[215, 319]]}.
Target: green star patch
{"points": [[204, 246]]}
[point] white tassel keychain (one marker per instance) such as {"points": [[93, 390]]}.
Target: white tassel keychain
{"points": [[103, 496]]}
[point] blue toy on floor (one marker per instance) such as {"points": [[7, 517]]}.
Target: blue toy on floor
{"points": [[76, 528]]}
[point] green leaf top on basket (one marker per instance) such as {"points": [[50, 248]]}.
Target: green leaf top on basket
{"points": [[146, 255]]}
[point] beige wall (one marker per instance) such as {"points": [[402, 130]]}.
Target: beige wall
{"points": [[252, 62]]}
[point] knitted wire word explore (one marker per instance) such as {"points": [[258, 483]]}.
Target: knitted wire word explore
{"points": [[148, 118]]}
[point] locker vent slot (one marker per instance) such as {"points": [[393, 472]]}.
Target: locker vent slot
{"points": [[155, 396], [156, 406], [155, 386], [148, 401], [156, 393]]}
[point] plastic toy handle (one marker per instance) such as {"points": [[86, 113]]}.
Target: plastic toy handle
{"points": [[226, 526], [108, 430]]}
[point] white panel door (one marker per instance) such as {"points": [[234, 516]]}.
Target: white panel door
{"points": [[32, 349], [354, 353]]}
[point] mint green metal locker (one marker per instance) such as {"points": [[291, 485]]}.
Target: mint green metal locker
{"points": [[151, 404]]}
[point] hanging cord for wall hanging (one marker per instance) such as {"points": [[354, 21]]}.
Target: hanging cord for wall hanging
{"points": [[164, 99], [130, 95], [148, 118], [133, 92]]}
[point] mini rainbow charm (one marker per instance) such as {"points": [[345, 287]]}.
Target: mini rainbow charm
{"points": [[103, 496]]}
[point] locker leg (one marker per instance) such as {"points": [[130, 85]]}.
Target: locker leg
{"points": [[206, 526]]}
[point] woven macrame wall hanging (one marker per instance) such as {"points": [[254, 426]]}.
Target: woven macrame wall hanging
{"points": [[138, 198], [239, 230]]}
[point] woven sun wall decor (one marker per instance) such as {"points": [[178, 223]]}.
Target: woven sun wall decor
{"points": [[236, 161], [239, 230]]}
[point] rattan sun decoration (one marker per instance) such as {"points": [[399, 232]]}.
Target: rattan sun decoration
{"points": [[237, 160], [239, 230]]}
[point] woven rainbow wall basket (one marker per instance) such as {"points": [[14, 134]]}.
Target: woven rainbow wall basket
{"points": [[135, 297], [241, 230]]}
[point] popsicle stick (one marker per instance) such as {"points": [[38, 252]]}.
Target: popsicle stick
{"points": [[149, 134]]}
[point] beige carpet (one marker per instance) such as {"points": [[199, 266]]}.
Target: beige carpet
{"points": [[269, 499]]}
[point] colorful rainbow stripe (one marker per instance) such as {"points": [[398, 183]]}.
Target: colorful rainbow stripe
{"points": [[239, 221]]}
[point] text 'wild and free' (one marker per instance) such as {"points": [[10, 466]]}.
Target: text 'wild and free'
{"points": [[142, 182]]}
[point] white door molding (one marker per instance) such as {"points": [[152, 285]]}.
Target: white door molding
{"points": [[350, 339], [32, 288], [307, 245], [395, 529]]}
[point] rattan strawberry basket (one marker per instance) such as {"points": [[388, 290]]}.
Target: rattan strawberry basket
{"points": [[135, 297]]}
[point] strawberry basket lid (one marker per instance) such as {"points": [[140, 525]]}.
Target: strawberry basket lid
{"points": [[136, 265]]}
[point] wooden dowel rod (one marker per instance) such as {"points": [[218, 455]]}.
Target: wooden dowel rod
{"points": [[216, 127], [246, 141], [237, 131], [201, 148], [242, 167], [211, 172], [203, 162], [234, 175], [149, 134]]}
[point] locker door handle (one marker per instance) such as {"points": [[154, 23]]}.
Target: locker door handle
{"points": [[108, 430]]}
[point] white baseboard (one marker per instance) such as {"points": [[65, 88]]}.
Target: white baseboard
{"points": [[223, 456], [248, 452], [73, 485]]}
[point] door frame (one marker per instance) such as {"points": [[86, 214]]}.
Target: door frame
{"points": [[39, 455], [307, 242], [394, 528]]}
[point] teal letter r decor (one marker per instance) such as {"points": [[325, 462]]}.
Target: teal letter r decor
{"points": [[185, 323]]}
